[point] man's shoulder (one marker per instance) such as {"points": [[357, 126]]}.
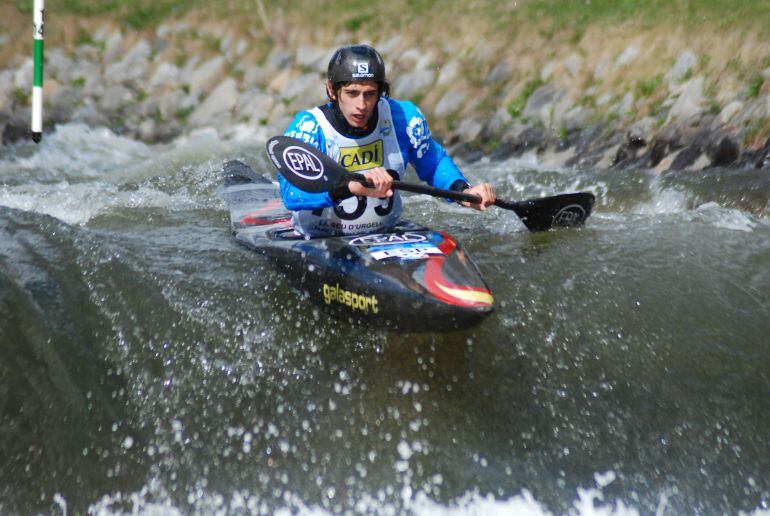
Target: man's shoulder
{"points": [[404, 108], [304, 127]]}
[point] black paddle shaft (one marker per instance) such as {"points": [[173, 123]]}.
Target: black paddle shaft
{"points": [[312, 171]]}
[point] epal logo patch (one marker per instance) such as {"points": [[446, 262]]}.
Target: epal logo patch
{"points": [[302, 163], [362, 158], [417, 130]]}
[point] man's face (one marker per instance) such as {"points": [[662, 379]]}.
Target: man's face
{"points": [[357, 101]]}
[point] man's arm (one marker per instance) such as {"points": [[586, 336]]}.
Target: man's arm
{"points": [[432, 163]]}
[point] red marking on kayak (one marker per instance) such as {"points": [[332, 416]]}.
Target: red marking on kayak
{"points": [[264, 221], [452, 293], [253, 218]]}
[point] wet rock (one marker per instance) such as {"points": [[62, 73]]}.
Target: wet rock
{"points": [[686, 157], [640, 132], [62, 104], [14, 130], [723, 151]]}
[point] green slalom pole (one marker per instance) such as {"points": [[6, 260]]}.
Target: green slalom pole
{"points": [[37, 79]]}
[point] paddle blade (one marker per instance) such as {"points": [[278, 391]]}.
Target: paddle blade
{"points": [[303, 165], [558, 211]]}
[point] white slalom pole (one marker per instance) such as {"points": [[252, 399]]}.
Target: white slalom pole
{"points": [[37, 80]]}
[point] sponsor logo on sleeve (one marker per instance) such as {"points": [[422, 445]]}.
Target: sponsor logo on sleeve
{"points": [[419, 137], [302, 163], [362, 158]]}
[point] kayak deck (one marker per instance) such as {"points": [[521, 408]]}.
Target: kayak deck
{"points": [[409, 278]]}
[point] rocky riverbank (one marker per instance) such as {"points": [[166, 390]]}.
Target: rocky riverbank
{"points": [[606, 100]]}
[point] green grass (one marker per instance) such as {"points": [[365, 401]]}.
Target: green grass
{"points": [[363, 16], [646, 87], [755, 84], [516, 108]]}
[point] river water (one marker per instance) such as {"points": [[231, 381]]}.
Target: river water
{"points": [[148, 364]]}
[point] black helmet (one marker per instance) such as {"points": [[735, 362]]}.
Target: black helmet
{"points": [[358, 63]]}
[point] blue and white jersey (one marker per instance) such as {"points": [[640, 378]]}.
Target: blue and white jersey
{"points": [[401, 137]]}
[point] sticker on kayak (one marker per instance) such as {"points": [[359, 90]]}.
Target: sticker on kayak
{"points": [[406, 252], [379, 239]]}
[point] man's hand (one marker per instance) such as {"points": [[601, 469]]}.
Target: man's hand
{"points": [[383, 184], [487, 194]]}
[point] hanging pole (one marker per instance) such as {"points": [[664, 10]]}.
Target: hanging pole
{"points": [[37, 80]]}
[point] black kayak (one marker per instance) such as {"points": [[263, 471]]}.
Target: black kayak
{"points": [[411, 278]]}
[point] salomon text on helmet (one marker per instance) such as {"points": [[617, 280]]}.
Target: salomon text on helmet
{"points": [[358, 63]]}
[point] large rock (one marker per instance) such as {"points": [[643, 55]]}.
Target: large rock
{"points": [[499, 73], [22, 77], [6, 89], [134, 66], [204, 77], [627, 56], [307, 85], [255, 106], [413, 83], [217, 105], [469, 130], [685, 63], [540, 104], [449, 104], [729, 111], [573, 64], [62, 104], [314, 59], [165, 75], [115, 98], [689, 105]]}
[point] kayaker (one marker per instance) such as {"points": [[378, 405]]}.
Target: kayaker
{"points": [[367, 132]]}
